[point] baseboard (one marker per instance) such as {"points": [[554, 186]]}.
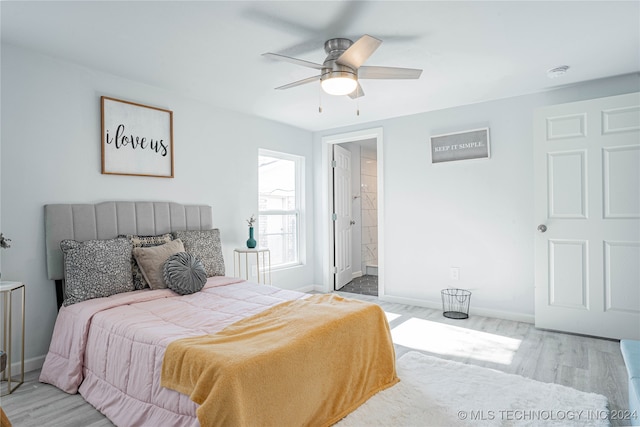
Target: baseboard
{"points": [[485, 312], [32, 364], [356, 275], [307, 288]]}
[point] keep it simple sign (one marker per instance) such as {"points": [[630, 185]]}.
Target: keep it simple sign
{"points": [[473, 144]]}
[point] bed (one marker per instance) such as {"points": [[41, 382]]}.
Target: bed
{"points": [[232, 353]]}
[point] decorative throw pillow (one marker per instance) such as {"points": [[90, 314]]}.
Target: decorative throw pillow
{"points": [[144, 242], [184, 273], [151, 260], [204, 245], [96, 269]]}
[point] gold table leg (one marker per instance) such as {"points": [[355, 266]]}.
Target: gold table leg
{"points": [[8, 339]]}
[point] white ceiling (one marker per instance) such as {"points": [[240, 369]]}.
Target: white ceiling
{"points": [[470, 51]]}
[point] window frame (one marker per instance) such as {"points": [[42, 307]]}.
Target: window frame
{"points": [[298, 211]]}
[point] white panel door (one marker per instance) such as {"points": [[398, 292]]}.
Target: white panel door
{"points": [[587, 209], [342, 216]]}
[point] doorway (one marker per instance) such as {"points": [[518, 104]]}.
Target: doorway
{"points": [[363, 197], [354, 257]]}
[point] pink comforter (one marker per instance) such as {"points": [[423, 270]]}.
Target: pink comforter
{"points": [[111, 349]]}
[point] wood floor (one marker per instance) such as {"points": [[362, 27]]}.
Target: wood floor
{"points": [[585, 363]]}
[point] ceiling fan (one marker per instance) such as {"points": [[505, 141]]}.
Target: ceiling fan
{"points": [[341, 70]]}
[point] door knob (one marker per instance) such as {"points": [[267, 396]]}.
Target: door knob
{"points": [[542, 228], [352, 222]]}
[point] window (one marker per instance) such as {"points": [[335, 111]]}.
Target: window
{"points": [[280, 205]]}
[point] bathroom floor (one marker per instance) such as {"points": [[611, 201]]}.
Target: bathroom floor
{"points": [[364, 285]]}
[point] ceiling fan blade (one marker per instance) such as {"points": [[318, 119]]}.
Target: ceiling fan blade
{"points": [[388, 73], [299, 82], [357, 93], [272, 20], [313, 37], [359, 52], [293, 60]]}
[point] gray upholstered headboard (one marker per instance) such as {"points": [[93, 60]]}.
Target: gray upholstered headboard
{"points": [[107, 220]]}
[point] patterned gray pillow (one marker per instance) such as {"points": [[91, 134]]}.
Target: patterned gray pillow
{"points": [[144, 242], [184, 273], [96, 269], [204, 245]]}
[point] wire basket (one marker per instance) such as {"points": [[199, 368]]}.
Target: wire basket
{"points": [[455, 303]]}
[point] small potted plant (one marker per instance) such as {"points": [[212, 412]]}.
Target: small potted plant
{"points": [[4, 244], [251, 242]]}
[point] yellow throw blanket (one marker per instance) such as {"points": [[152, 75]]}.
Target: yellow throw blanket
{"points": [[306, 362]]}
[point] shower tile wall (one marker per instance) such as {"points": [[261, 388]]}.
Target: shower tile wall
{"points": [[369, 205]]}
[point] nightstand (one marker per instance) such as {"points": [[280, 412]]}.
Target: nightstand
{"points": [[7, 289], [263, 258]]}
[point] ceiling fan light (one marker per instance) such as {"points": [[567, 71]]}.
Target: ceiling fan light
{"points": [[339, 85]]}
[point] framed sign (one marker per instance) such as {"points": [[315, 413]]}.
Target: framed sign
{"points": [[472, 144], [136, 139]]}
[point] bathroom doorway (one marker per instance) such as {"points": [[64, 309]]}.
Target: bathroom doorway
{"points": [[364, 218], [365, 248], [362, 195]]}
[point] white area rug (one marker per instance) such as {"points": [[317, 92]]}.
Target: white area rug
{"points": [[438, 392]]}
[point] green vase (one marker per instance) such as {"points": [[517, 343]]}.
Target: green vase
{"points": [[251, 243]]}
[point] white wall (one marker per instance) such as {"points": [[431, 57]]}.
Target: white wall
{"points": [[51, 154], [476, 215]]}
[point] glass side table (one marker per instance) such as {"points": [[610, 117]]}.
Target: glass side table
{"points": [[7, 289], [263, 258]]}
